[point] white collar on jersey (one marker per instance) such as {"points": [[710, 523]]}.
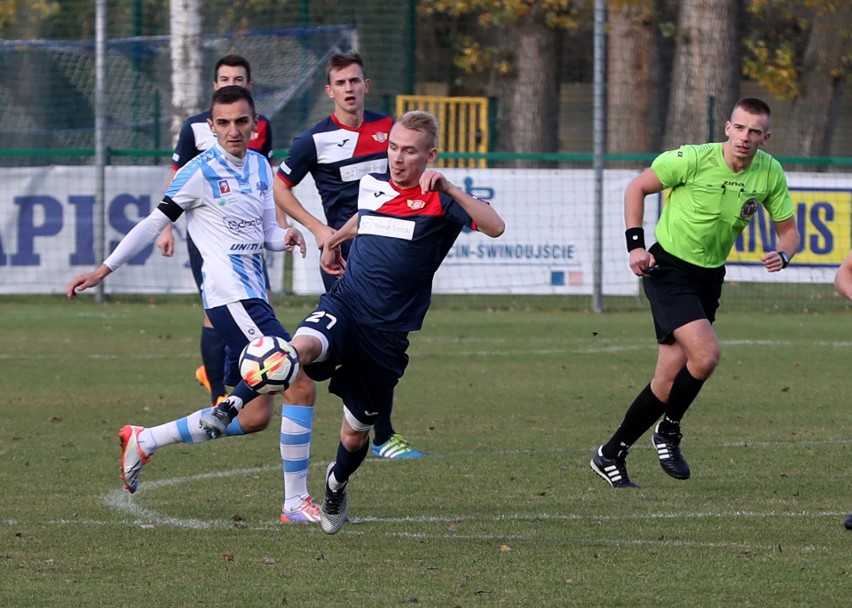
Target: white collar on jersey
{"points": [[237, 162]]}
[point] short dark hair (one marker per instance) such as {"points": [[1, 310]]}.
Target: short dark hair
{"points": [[753, 105], [339, 61], [231, 94], [232, 61]]}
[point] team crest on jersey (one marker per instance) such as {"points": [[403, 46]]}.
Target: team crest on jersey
{"points": [[416, 204], [749, 208], [224, 187], [262, 187], [380, 137]]}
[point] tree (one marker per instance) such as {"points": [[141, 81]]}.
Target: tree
{"points": [[526, 57], [640, 44], [28, 89], [803, 52], [706, 74], [825, 71], [535, 90], [186, 61]]}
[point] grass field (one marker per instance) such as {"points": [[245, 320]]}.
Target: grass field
{"points": [[508, 401]]}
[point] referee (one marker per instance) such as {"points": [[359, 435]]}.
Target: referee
{"points": [[715, 190]]}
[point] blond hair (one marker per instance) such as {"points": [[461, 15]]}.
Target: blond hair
{"points": [[418, 120]]}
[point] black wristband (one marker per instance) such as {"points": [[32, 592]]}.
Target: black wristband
{"points": [[785, 259], [635, 238]]}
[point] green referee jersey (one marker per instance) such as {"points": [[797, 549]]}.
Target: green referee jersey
{"points": [[709, 204]]}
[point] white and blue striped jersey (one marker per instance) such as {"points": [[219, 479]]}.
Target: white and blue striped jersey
{"points": [[230, 215]]}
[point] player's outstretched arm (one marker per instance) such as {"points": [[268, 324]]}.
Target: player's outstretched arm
{"points": [[83, 282], [486, 218], [139, 237], [287, 202]]}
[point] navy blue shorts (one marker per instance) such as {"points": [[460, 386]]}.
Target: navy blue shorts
{"points": [[680, 292], [239, 323], [364, 363], [196, 262]]}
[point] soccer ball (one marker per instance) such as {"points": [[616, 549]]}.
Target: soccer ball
{"points": [[268, 364]]}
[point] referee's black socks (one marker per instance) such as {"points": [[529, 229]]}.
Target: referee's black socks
{"points": [[640, 416], [685, 389]]}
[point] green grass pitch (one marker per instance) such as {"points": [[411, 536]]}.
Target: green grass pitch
{"points": [[507, 398]]}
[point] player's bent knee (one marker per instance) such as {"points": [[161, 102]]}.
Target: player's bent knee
{"points": [[703, 367], [311, 346], [354, 441]]}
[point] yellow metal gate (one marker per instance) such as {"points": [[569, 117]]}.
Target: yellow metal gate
{"points": [[462, 124]]}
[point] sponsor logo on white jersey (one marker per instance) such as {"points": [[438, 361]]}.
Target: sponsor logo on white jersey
{"points": [[238, 225], [243, 248], [392, 227], [354, 172]]}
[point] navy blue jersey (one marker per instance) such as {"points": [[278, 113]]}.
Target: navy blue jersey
{"points": [[337, 157], [196, 137], [403, 236]]}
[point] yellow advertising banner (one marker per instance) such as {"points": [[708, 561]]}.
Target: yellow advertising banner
{"points": [[824, 218]]}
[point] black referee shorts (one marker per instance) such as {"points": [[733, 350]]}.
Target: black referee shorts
{"points": [[680, 292]]}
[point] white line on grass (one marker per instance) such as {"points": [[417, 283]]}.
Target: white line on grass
{"points": [[604, 348], [504, 538], [122, 501]]}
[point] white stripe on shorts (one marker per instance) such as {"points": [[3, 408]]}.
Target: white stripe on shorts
{"points": [[309, 331], [354, 422], [243, 320]]}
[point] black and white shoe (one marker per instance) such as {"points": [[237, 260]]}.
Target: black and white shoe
{"points": [[613, 470], [215, 420], [335, 509], [668, 451]]}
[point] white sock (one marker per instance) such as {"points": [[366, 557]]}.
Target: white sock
{"points": [[182, 430]]}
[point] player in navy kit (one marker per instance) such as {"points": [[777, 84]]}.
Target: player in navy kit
{"points": [[338, 151], [196, 137], [357, 336], [226, 193]]}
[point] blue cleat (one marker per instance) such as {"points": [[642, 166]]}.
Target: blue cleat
{"points": [[396, 447]]}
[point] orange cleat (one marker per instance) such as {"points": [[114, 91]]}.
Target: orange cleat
{"points": [[201, 376]]}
